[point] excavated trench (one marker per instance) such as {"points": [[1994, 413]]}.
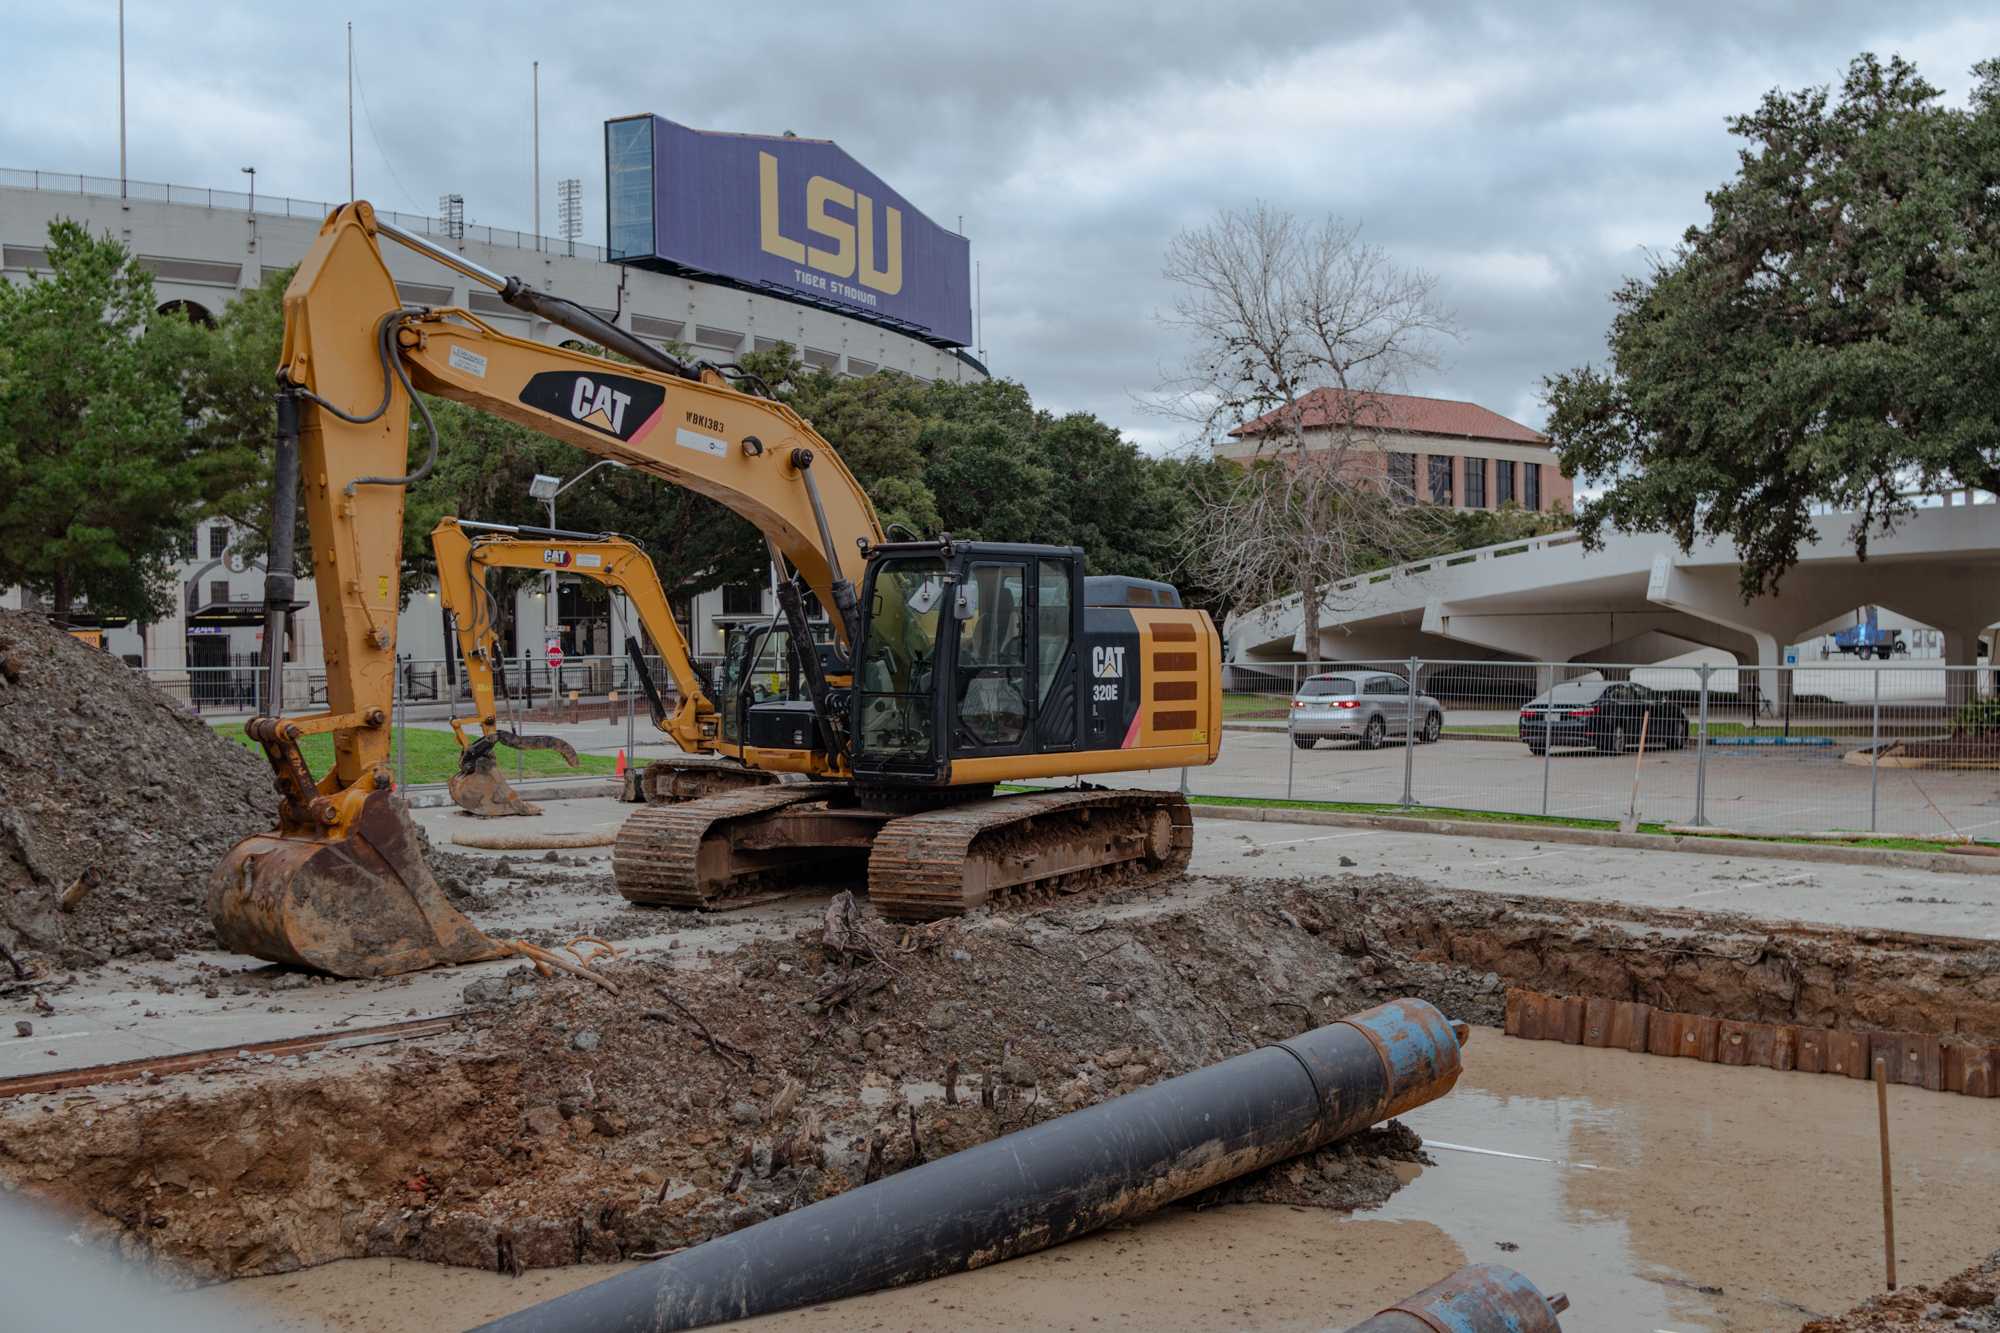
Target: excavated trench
{"points": [[560, 1124]]}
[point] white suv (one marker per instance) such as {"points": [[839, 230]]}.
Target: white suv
{"points": [[1367, 706]]}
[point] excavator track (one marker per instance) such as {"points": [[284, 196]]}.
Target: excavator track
{"points": [[948, 861], [680, 855]]}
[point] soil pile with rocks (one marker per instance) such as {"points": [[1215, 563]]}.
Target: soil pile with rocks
{"points": [[1967, 1300], [111, 794], [567, 1124]]}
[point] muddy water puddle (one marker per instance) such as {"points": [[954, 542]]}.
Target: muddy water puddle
{"points": [[1660, 1194], [1669, 1194]]}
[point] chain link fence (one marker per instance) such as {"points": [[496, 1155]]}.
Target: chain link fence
{"points": [[1897, 748], [1889, 749]]}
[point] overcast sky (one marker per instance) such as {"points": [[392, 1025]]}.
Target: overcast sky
{"points": [[1527, 160]]}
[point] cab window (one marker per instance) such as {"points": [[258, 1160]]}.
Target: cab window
{"points": [[899, 657], [992, 655]]}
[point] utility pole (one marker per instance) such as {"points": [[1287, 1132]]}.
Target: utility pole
{"points": [[121, 100], [350, 110], [538, 159]]}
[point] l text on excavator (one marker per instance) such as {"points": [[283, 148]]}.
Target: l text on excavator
{"points": [[955, 666]]}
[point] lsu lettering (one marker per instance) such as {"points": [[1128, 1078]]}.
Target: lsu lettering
{"points": [[851, 231]]}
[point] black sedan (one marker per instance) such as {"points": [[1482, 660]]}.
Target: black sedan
{"points": [[1604, 715]]}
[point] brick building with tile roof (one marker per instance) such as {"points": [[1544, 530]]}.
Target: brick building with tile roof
{"points": [[1434, 449]]}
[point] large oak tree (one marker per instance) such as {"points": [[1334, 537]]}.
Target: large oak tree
{"points": [[1831, 337]]}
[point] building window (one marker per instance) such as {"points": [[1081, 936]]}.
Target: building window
{"points": [[1440, 470], [1531, 486], [628, 186], [1475, 483], [1503, 481], [218, 541], [742, 599], [218, 592], [1402, 475]]}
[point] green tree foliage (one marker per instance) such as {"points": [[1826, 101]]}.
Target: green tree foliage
{"points": [[101, 480], [1465, 529], [235, 393], [979, 460], [1827, 338]]}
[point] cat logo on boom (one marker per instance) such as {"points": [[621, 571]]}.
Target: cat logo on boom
{"points": [[598, 405], [616, 405]]}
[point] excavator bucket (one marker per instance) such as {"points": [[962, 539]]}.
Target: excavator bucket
{"points": [[361, 906], [479, 789]]}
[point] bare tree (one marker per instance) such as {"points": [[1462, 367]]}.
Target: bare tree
{"points": [[1300, 329]]}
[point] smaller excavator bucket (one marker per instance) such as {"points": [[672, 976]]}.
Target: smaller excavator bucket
{"points": [[361, 906], [478, 789]]}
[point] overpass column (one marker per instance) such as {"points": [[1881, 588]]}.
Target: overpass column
{"points": [[1774, 684], [1961, 649]]}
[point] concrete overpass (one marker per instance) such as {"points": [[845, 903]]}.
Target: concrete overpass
{"points": [[1640, 599]]}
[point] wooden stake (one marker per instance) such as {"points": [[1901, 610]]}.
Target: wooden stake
{"points": [[1888, 1199], [1630, 824]]}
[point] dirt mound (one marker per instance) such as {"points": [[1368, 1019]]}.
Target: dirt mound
{"points": [[1967, 1300], [570, 1125], [104, 776]]}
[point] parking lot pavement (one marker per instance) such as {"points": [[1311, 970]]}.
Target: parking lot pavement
{"points": [[1776, 789], [1865, 897]]}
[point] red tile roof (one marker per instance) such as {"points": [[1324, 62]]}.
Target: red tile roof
{"points": [[1401, 412]]}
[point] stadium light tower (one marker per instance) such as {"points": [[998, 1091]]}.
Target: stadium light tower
{"points": [[569, 210]]}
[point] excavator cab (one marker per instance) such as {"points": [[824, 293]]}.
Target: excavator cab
{"points": [[968, 652]]}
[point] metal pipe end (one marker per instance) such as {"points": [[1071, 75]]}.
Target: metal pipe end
{"points": [[1462, 1030], [1559, 1302]]}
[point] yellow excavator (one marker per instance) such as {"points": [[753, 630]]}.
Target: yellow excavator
{"points": [[466, 550], [955, 666]]}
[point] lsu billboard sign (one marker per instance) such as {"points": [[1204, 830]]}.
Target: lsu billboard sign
{"points": [[798, 215]]}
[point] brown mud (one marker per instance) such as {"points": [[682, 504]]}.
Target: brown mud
{"points": [[1969, 1300]]}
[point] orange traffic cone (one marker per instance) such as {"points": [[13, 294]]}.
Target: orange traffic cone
{"points": [[620, 770]]}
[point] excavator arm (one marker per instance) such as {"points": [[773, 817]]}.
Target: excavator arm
{"points": [[340, 884]]}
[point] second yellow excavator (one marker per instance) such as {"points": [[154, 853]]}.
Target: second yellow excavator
{"points": [[708, 764], [956, 666]]}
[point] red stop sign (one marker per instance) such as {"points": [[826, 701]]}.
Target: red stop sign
{"points": [[555, 652]]}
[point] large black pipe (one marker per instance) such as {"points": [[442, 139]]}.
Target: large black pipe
{"points": [[1040, 1186], [1479, 1298]]}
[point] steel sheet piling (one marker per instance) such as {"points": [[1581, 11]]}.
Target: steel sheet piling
{"points": [[1043, 1185]]}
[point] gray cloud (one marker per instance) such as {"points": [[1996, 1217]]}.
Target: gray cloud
{"points": [[1529, 160]]}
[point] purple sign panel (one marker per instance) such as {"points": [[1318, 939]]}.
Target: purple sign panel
{"points": [[798, 215]]}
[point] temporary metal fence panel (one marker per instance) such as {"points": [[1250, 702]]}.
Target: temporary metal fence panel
{"points": [[1899, 748]]}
